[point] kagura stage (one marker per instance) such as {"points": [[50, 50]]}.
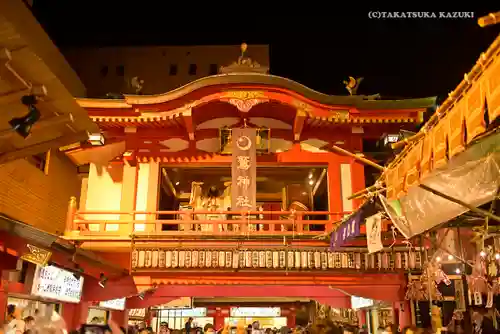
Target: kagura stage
{"points": [[156, 198]]}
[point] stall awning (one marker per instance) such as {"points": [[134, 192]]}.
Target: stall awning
{"points": [[473, 177]]}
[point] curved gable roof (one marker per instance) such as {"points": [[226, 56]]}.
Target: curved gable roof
{"points": [[271, 82]]}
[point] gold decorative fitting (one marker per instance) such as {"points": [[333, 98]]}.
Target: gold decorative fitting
{"points": [[244, 64], [37, 255], [244, 95]]}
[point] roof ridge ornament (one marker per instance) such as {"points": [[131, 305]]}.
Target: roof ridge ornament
{"points": [[352, 85], [244, 64]]}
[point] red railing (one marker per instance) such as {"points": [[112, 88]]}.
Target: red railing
{"points": [[193, 223]]}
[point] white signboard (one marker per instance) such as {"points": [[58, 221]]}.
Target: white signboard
{"points": [[58, 284], [137, 312], [249, 312], [114, 304], [190, 312], [360, 302]]}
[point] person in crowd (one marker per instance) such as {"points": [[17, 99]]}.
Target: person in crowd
{"points": [[389, 329], [29, 323], [15, 325], [164, 328], [188, 325]]}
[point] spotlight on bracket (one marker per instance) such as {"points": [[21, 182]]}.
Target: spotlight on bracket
{"points": [[23, 125], [96, 139], [102, 280], [142, 295]]}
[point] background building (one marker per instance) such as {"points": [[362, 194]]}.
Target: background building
{"points": [[163, 68]]}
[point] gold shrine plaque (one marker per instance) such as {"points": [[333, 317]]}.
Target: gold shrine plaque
{"points": [[37, 255]]}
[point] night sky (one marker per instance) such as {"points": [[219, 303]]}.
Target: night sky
{"points": [[397, 58]]}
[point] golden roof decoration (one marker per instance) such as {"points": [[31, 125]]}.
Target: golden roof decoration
{"points": [[244, 64]]}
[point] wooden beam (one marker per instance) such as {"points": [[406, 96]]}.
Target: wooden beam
{"points": [[167, 183], [42, 147], [188, 122], [15, 96], [298, 124]]}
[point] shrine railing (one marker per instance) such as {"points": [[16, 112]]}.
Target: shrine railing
{"points": [[201, 223]]}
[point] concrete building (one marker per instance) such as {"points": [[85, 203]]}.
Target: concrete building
{"points": [[162, 68]]}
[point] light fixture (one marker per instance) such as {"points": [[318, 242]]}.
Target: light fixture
{"points": [[310, 176], [311, 182], [482, 253], [177, 183], [23, 125], [96, 139], [458, 271], [102, 280], [497, 256], [304, 193], [438, 258], [450, 257]]}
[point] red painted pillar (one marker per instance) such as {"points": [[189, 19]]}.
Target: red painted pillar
{"points": [[218, 319], [334, 188], [290, 319], [361, 318], [75, 315], [3, 303], [404, 314], [120, 318]]}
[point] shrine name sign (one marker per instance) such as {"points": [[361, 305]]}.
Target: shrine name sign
{"points": [[275, 259]]}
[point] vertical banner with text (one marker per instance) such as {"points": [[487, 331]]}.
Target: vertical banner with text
{"points": [[244, 169]]}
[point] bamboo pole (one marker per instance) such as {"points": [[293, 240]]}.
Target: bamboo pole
{"points": [[457, 201], [406, 141], [357, 157], [462, 87], [490, 19], [423, 186]]}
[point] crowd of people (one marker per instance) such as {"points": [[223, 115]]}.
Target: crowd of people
{"points": [[15, 324]]}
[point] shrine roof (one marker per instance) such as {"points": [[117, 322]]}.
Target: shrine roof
{"points": [[208, 86]]}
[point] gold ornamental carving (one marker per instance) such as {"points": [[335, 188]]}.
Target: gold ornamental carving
{"points": [[340, 114], [244, 95], [37, 255], [305, 107], [244, 100]]}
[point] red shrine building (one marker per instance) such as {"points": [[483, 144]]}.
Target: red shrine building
{"points": [[161, 196], [227, 187]]}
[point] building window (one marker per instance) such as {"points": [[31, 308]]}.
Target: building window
{"points": [[40, 161], [213, 69], [192, 69], [104, 71], [173, 69], [120, 70]]}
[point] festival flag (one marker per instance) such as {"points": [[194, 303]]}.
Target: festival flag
{"points": [[244, 169]]}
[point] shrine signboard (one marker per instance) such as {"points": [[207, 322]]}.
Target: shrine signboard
{"points": [[244, 169]]}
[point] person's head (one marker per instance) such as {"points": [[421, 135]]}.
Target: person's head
{"points": [[13, 312], [29, 321], [143, 331], [190, 319], [389, 329]]}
